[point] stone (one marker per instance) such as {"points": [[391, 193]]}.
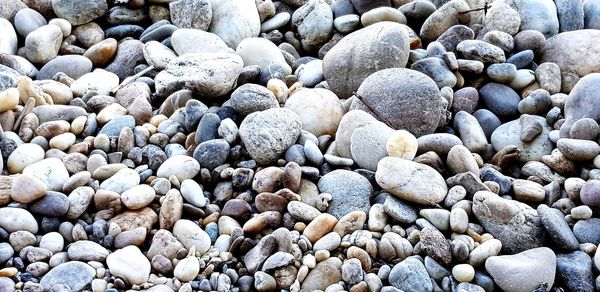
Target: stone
{"points": [[510, 134], [415, 95], [196, 14], [261, 52], [557, 227], [121, 181], [277, 21], [42, 44], [368, 144], [183, 167], [403, 144], [578, 150], [481, 51], [74, 274], [250, 98], [544, 19], [587, 231], [129, 263], [320, 226], [210, 154], [437, 70], [191, 235], [27, 20], [187, 41], [410, 275], [269, 133], [517, 225], [324, 274], [524, 271], [589, 194], [158, 55], [581, 103], [23, 156], [51, 171], [85, 250], [138, 197], [234, 21], [16, 219], [77, 12], [313, 23], [446, 16], [349, 190], [362, 53], [100, 80], [319, 109], [471, 133], [574, 271], [211, 74], [72, 65], [8, 40], [435, 245], [455, 35], [349, 122], [411, 181], [563, 49], [27, 188], [502, 17], [102, 53]]}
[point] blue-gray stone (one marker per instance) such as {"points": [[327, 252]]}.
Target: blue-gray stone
{"points": [[521, 59], [122, 31], [574, 271], [491, 174], [350, 192], [410, 275], [587, 230], [208, 128], [159, 34], [296, 154], [557, 227], [591, 12], [488, 121], [212, 153], [500, 99], [570, 14], [114, 126], [53, 204]]}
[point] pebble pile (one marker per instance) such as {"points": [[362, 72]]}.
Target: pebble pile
{"points": [[299, 145]]}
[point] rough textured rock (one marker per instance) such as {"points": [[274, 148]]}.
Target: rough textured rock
{"points": [[391, 91], [363, 52], [517, 225]]}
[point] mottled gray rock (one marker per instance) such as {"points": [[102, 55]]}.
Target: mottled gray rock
{"points": [[414, 94], [537, 15], [79, 12], [574, 271], [75, 275], [410, 275], [195, 14], [350, 192], [515, 224], [211, 75], [363, 52], [269, 133]]}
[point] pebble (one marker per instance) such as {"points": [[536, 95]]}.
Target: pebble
{"points": [[325, 273], [574, 270], [27, 188], [463, 273], [398, 176], [75, 275], [557, 227], [326, 119], [42, 44], [234, 21], [346, 76], [283, 126], [535, 266], [181, 166], [410, 275], [417, 97], [191, 235], [515, 237], [129, 263]]}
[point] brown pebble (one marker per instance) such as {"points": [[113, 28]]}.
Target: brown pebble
{"points": [[320, 226]]}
